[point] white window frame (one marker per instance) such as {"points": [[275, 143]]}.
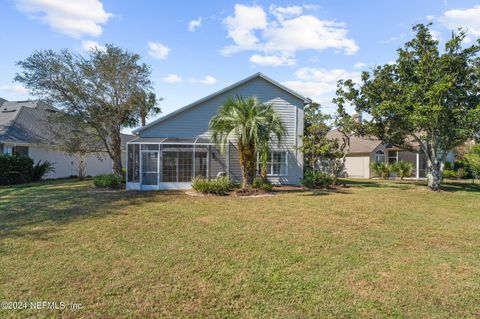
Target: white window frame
{"points": [[379, 153], [270, 163]]}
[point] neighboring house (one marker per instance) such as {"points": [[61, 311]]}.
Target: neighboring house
{"points": [[367, 150], [169, 152], [25, 130]]}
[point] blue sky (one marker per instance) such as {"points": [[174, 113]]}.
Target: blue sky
{"points": [[198, 47]]}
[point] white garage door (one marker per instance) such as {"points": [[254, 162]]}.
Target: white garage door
{"points": [[355, 166]]}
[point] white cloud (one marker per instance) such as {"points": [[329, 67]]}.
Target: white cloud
{"points": [[70, 17], [463, 18], [14, 88], [158, 50], [194, 24], [272, 60], [311, 6], [88, 45], [436, 35], [320, 84], [206, 80], [172, 78], [286, 31], [430, 17], [286, 12], [242, 25], [359, 65]]}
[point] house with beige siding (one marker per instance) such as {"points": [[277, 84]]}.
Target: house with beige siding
{"points": [[365, 150], [169, 152], [25, 130]]}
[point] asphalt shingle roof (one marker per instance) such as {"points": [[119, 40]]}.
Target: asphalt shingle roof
{"points": [[28, 122], [358, 144]]}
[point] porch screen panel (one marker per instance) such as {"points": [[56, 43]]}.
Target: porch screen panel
{"points": [[177, 163], [149, 168], [201, 161], [133, 163], [169, 169], [218, 163]]}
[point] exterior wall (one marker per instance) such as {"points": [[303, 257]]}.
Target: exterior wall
{"points": [[66, 165], [194, 123], [357, 166]]}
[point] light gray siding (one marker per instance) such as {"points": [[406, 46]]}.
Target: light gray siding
{"points": [[194, 121]]}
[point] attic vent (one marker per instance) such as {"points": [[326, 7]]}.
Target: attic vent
{"points": [[8, 111]]}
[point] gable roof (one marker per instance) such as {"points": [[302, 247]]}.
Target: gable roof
{"points": [[358, 144], [228, 88]]}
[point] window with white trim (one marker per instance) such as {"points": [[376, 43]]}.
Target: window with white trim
{"points": [[379, 156], [277, 163]]}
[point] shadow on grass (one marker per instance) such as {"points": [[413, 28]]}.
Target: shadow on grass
{"points": [[36, 210], [409, 184], [460, 187], [373, 183], [324, 192]]}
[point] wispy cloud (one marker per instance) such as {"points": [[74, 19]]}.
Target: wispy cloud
{"points": [[194, 24], [359, 65], [206, 80], [320, 84], [158, 50], [272, 60], [172, 78], [89, 45], [14, 88]]}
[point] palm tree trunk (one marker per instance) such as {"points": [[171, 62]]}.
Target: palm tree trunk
{"points": [[247, 162]]}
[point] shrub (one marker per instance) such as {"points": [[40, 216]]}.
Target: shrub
{"points": [[107, 181], [218, 186], [449, 174], [313, 180], [15, 169], [382, 169], [403, 169], [262, 183], [41, 169]]}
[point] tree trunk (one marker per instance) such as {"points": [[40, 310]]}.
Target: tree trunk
{"points": [[143, 120], [116, 151], [247, 162], [82, 164], [435, 172]]}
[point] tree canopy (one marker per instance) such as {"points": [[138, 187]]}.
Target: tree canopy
{"points": [[426, 100], [100, 89]]}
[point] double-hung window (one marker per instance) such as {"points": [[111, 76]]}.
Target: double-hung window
{"points": [[277, 163]]}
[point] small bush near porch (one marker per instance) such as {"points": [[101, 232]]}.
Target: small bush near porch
{"points": [[375, 249]]}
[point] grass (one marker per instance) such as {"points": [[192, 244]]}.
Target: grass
{"points": [[375, 249]]}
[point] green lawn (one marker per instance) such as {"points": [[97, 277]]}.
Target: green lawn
{"points": [[375, 249]]}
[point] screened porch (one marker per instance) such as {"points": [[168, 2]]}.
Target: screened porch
{"points": [[172, 163]]}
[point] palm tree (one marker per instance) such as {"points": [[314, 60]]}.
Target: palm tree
{"points": [[147, 105], [403, 169], [252, 125]]}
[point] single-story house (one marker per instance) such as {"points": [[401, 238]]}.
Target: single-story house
{"points": [[25, 130], [367, 150], [169, 152]]}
